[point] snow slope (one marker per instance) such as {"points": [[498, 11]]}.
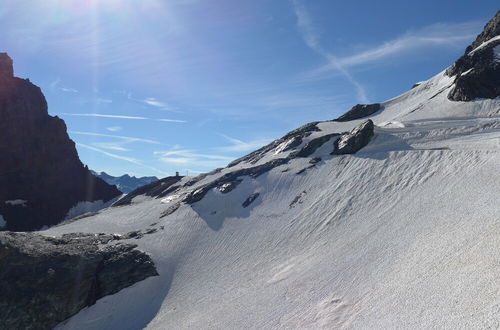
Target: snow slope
{"points": [[403, 234]]}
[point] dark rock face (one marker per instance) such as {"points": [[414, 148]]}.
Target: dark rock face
{"points": [[491, 29], [38, 162], [477, 71], [125, 183], [359, 111], [154, 189], [44, 280], [358, 138]]}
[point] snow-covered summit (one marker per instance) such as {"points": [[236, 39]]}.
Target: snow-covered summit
{"points": [[404, 233]]}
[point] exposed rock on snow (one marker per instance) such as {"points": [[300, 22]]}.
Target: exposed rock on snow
{"points": [[491, 30], [154, 189], [290, 141], [359, 111], [315, 160], [38, 161], [358, 138], [313, 145], [45, 280], [477, 71], [227, 187], [250, 199], [253, 172]]}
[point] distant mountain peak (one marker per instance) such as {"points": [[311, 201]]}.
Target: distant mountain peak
{"points": [[125, 183]]}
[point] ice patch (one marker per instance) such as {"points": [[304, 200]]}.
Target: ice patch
{"points": [[84, 207], [15, 202], [168, 199], [3, 223]]}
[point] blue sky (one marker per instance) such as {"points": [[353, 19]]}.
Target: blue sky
{"points": [[151, 87]]}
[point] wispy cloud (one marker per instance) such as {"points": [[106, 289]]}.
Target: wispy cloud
{"points": [[191, 159], [311, 38], [154, 102], [150, 101], [433, 36], [242, 146], [104, 116], [68, 90], [172, 120], [110, 146], [125, 138], [103, 100], [100, 115], [54, 84], [114, 128], [127, 159]]}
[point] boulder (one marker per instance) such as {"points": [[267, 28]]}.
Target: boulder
{"points": [[358, 138]]}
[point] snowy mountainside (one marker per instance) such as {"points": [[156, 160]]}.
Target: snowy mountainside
{"points": [[402, 234]]}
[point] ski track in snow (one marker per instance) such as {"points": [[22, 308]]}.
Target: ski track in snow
{"points": [[403, 234]]}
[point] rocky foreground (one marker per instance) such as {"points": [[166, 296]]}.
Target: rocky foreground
{"points": [[45, 280]]}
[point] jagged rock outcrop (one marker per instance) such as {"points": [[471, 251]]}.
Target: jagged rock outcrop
{"points": [[39, 164], [289, 141], [359, 111], [491, 29], [358, 138], [45, 280], [478, 70]]}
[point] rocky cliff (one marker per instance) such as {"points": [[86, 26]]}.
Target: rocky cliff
{"points": [[41, 176], [477, 72]]}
